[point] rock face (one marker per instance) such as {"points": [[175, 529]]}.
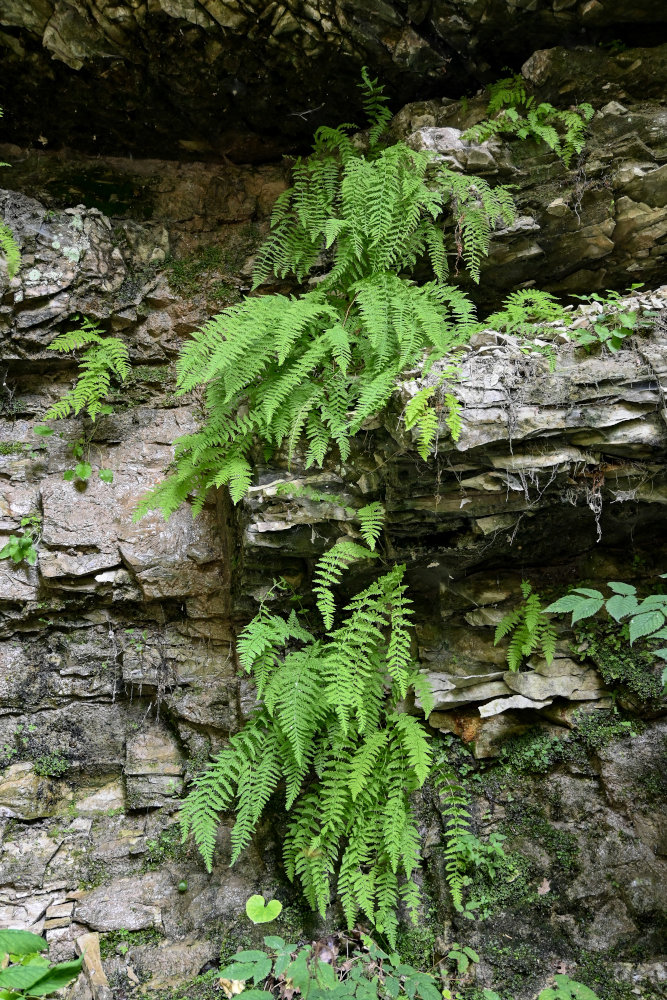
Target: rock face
{"points": [[117, 660], [247, 78]]}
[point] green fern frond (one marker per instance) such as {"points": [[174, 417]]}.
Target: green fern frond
{"points": [[531, 627], [105, 358], [10, 249], [371, 522], [328, 572]]}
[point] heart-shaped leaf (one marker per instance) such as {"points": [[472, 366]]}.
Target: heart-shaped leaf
{"points": [[260, 912], [83, 470]]}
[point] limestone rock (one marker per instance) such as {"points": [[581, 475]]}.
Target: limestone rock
{"points": [[26, 795], [153, 769], [129, 903]]}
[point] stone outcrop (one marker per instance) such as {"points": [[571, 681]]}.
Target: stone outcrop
{"points": [[248, 79], [117, 665]]}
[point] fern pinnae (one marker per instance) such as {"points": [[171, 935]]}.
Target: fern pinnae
{"points": [[328, 572], [10, 249]]}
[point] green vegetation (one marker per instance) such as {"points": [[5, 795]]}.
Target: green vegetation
{"points": [[532, 630], [24, 972], [8, 245], [51, 765], [23, 548], [120, 941], [515, 113], [329, 726], [103, 360], [644, 620], [317, 365]]}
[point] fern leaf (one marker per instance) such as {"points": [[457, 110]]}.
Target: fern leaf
{"points": [[371, 521]]}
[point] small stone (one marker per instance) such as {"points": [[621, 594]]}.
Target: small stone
{"points": [[500, 705]]}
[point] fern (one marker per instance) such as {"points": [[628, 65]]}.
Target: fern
{"points": [[104, 359], [531, 628], [455, 811], [563, 131], [423, 418], [310, 370], [328, 572], [328, 725], [8, 244], [10, 249], [371, 520], [525, 311]]}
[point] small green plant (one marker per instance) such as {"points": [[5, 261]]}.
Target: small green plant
{"points": [[8, 244], [515, 113], [23, 548], [463, 956], [51, 765], [103, 360], [28, 973], [567, 989], [260, 912], [137, 640], [365, 975], [532, 630], [612, 325], [646, 619]]}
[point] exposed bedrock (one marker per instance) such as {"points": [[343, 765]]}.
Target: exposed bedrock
{"points": [[118, 675], [248, 78], [117, 664]]}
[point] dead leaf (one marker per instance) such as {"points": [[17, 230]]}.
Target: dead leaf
{"points": [[231, 987], [544, 887]]}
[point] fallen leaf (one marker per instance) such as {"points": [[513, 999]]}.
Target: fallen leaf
{"points": [[544, 887], [231, 987]]}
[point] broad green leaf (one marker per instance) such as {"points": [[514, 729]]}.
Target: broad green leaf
{"points": [[56, 977], [587, 610], [260, 912], [564, 604], [43, 430], [392, 986], [645, 624], [587, 592], [13, 942], [621, 605], [106, 475], [69, 475], [255, 970], [656, 602], [83, 470], [21, 977], [275, 943], [622, 588]]}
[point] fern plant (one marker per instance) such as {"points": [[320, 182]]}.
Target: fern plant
{"points": [[420, 415], [329, 738], [370, 517], [515, 113], [310, 369], [8, 244], [455, 811], [531, 628], [105, 359]]}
